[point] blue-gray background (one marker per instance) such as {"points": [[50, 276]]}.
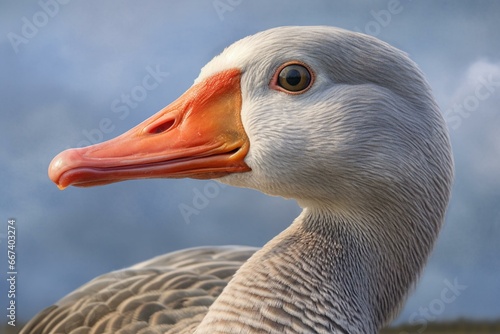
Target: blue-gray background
{"points": [[60, 80]]}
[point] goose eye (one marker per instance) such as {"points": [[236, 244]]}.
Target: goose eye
{"points": [[294, 78]]}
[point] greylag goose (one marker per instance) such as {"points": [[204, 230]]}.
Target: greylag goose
{"points": [[341, 122]]}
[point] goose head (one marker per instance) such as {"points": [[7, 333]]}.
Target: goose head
{"points": [[340, 121], [356, 123]]}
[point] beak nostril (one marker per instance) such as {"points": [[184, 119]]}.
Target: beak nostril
{"points": [[162, 127]]}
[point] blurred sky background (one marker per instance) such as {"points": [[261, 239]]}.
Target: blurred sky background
{"points": [[64, 72]]}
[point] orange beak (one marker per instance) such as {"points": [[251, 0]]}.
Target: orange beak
{"points": [[200, 135]]}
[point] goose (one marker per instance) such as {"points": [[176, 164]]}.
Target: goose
{"points": [[341, 122]]}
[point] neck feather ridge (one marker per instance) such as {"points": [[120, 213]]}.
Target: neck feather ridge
{"points": [[326, 273]]}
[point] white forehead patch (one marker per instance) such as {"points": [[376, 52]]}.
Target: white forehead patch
{"points": [[266, 45], [234, 56]]}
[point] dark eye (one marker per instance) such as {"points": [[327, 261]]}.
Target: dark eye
{"points": [[294, 78]]}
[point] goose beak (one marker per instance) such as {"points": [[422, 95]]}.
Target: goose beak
{"points": [[200, 135]]}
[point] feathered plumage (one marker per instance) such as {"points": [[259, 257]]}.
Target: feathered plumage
{"points": [[361, 146]]}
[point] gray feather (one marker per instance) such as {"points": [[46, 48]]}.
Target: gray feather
{"points": [[364, 151]]}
